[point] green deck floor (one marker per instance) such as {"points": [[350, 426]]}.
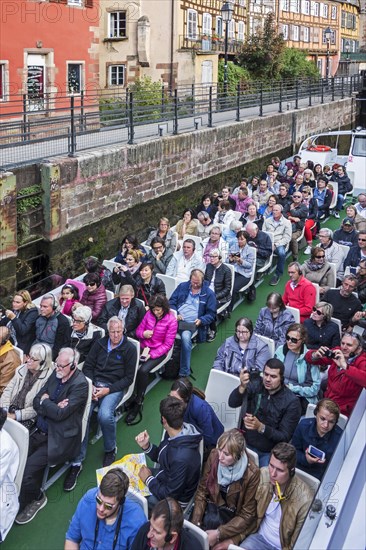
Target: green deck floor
{"points": [[47, 530]]}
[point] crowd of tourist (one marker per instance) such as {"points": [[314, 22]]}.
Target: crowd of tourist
{"points": [[169, 293]]}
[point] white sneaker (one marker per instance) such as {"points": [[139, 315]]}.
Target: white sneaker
{"points": [[307, 250], [336, 215]]}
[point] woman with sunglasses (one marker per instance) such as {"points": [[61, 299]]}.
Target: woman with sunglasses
{"points": [[310, 222], [300, 377], [95, 295], [318, 270], [147, 284], [27, 381], [84, 334], [321, 330], [21, 320]]}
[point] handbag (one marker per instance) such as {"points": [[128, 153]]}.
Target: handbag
{"points": [[216, 515]]}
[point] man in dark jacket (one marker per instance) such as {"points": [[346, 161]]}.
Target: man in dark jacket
{"points": [[166, 530], [52, 327], [159, 255], [60, 405], [344, 186], [195, 304], [356, 253], [219, 277], [178, 456], [110, 365], [125, 307], [346, 234], [269, 412], [297, 213]]}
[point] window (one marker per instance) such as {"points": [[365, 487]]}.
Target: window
{"points": [[192, 24], [74, 78], [334, 12], [343, 19], [295, 6], [306, 34], [231, 29], [116, 75], [75, 2], [315, 8], [207, 24], [295, 33], [332, 38], [219, 27], [324, 10], [285, 5], [241, 2], [319, 64], [2, 81], [306, 7], [285, 32], [117, 24], [241, 30]]}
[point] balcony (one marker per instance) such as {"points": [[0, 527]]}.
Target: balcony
{"points": [[209, 44], [354, 57]]}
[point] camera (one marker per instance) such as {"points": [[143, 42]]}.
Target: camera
{"points": [[2, 310], [329, 353]]}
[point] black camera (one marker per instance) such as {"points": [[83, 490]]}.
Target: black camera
{"points": [[329, 353]]}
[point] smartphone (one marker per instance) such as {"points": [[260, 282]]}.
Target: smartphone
{"points": [[315, 452]]}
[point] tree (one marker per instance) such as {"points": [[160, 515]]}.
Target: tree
{"points": [[261, 53], [235, 75], [294, 64]]}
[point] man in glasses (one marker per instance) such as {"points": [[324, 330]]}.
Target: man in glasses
{"points": [[357, 252], [346, 306], [347, 370], [106, 517], [159, 255], [297, 213], [299, 292], [52, 327], [60, 405], [269, 413]]}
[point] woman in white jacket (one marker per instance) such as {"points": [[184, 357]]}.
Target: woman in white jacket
{"points": [[9, 463]]}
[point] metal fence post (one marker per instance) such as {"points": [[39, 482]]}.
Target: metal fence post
{"points": [[297, 95], [25, 121], [131, 129], [238, 103], [162, 99], [72, 136], [280, 103], [351, 85], [209, 123], [261, 100], [322, 91], [342, 88], [310, 98], [332, 88], [175, 121], [82, 117]]}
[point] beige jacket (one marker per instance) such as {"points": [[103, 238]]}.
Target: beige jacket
{"points": [[9, 361]]}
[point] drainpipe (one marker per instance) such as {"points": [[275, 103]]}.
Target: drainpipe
{"points": [[171, 77]]}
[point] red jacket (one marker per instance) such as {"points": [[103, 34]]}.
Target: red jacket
{"points": [[164, 335], [344, 386], [95, 300], [303, 297]]}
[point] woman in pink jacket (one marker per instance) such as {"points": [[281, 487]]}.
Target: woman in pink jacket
{"points": [[156, 333], [95, 295]]}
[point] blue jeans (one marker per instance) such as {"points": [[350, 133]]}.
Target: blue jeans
{"points": [[263, 457], [256, 542], [106, 419], [185, 353], [340, 201], [280, 251]]}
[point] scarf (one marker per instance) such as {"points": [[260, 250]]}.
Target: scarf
{"points": [[8, 346], [18, 400], [313, 266], [228, 474]]}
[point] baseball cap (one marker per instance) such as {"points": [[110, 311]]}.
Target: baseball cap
{"points": [[348, 221]]}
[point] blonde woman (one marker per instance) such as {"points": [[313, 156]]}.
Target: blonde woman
{"points": [[21, 320]]}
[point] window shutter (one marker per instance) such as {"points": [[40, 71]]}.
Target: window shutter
{"points": [[88, 3]]}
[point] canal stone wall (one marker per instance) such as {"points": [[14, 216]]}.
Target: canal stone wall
{"points": [[92, 200]]}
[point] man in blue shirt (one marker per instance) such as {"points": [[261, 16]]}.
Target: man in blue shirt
{"points": [[321, 432], [105, 518]]}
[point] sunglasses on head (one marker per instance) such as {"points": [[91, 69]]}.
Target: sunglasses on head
{"points": [[317, 311], [292, 339]]}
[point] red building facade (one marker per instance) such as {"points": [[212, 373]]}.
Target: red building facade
{"points": [[49, 49]]}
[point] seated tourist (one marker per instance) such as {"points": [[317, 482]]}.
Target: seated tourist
{"points": [[84, 333], [127, 273], [21, 320], [219, 277], [207, 205], [52, 327], [214, 240], [317, 270], [178, 456], [229, 233], [95, 295], [296, 213], [300, 377], [9, 359], [334, 253], [68, 298], [129, 242], [187, 225], [243, 350], [159, 255], [147, 284], [224, 214], [274, 319], [156, 334], [184, 261], [299, 292], [321, 330], [93, 265], [230, 479], [241, 257], [204, 224], [164, 232], [347, 233], [346, 307], [252, 216], [28, 379], [283, 501], [9, 460], [125, 307], [321, 432]]}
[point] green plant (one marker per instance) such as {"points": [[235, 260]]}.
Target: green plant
{"points": [[235, 75], [112, 110], [147, 98], [30, 202], [294, 64]]}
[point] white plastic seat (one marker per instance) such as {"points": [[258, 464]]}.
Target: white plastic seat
{"points": [[200, 536], [317, 292], [333, 268], [270, 343], [110, 295], [338, 322], [251, 280], [156, 369], [237, 214], [20, 353], [222, 308], [47, 482], [253, 455], [20, 435], [335, 194], [342, 420], [198, 242], [171, 283], [310, 480], [233, 547], [295, 312], [219, 387], [136, 497], [268, 263]]}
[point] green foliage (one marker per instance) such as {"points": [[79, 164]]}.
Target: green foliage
{"points": [[294, 64], [29, 203], [147, 98], [235, 75], [112, 110], [261, 54]]}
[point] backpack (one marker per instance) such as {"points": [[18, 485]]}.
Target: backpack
{"points": [[171, 367]]}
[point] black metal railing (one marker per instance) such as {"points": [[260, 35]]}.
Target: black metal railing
{"points": [[67, 124]]}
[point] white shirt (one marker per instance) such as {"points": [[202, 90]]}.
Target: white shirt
{"points": [[270, 525]]}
